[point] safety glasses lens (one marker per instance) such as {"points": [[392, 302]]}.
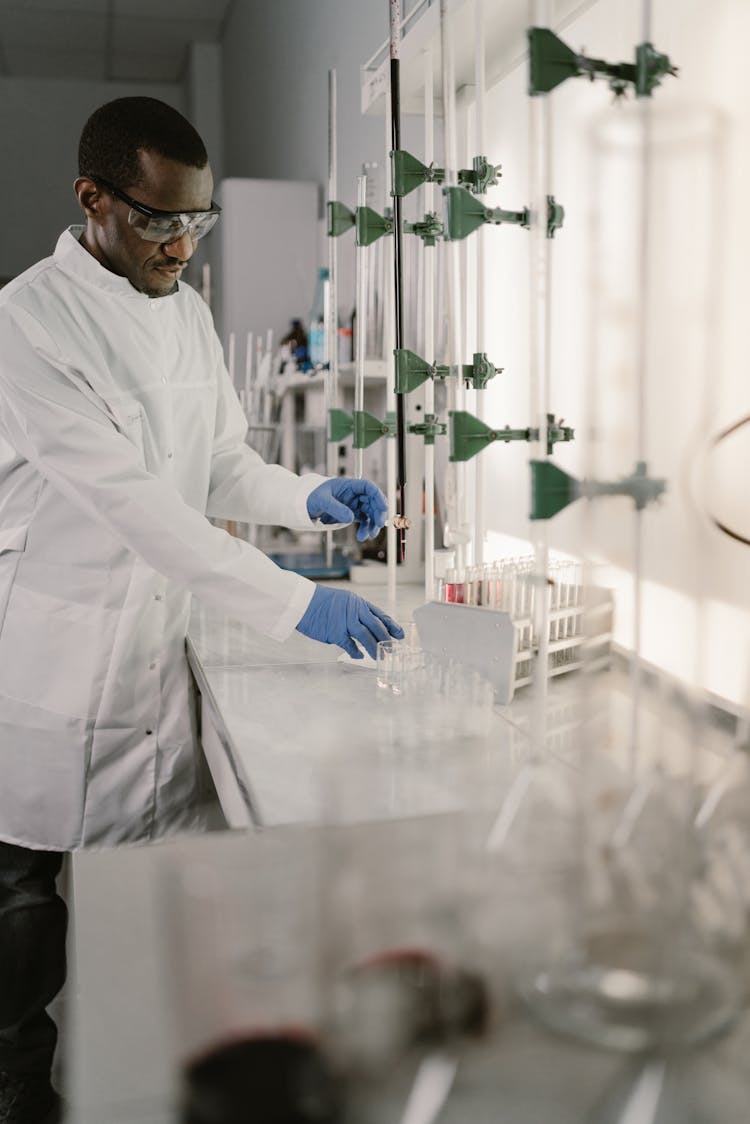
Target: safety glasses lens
{"points": [[162, 229]]}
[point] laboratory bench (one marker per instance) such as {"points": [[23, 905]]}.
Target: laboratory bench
{"points": [[287, 727], [291, 743]]}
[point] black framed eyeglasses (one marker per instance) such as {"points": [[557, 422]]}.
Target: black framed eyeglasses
{"points": [[163, 226]]}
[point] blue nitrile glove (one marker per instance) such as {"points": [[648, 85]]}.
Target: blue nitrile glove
{"points": [[337, 617], [343, 498]]}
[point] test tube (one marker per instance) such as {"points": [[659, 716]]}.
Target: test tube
{"points": [[562, 597], [469, 586], [473, 586], [577, 597], [494, 586], [508, 587], [574, 592], [510, 598], [554, 592], [488, 590], [454, 586], [525, 605]]}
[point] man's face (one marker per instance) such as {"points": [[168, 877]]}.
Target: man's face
{"points": [[166, 185]]}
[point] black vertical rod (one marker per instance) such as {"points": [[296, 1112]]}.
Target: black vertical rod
{"points": [[395, 22]]}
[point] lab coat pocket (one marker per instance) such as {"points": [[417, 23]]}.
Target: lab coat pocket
{"points": [[53, 641], [12, 544]]}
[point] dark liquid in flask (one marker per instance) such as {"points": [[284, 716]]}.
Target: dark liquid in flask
{"points": [[275, 1079]]}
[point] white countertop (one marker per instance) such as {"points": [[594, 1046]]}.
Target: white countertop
{"points": [[313, 738]]}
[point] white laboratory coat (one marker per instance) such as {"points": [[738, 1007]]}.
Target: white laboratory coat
{"points": [[119, 433]]}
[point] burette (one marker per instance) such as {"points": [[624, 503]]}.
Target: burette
{"points": [[540, 186], [390, 388], [539, 395], [456, 524], [644, 290], [331, 377], [429, 273], [640, 786], [480, 244], [398, 297], [361, 337]]}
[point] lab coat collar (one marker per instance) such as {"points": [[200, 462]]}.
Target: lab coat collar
{"points": [[77, 262]]}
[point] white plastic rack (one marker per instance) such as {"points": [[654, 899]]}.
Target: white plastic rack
{"points": [[503, 646]]}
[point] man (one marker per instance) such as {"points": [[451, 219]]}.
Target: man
{"points": [[119, 434]]}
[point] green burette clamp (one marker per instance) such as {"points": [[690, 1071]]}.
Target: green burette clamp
{"points": [[371, 226], [465, 214], [469, 435], [368, 429], [552, 62], [428, 230], [340, 219], [412, 371], [479, 372], [480, 176], [430, 428], [408, 173], [555, 216], [340, 425], [552, 489]]}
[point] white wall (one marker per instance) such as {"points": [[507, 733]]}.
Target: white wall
{"points": [[696, 366], [204, 100], [40, 124], [276, 62]]}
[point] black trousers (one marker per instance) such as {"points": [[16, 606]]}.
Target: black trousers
{"points": [[33, 924]]}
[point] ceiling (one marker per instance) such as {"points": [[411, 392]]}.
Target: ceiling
{"points": [[105, 40]]}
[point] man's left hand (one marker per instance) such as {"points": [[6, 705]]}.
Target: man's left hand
{"points": [[343, 500]]}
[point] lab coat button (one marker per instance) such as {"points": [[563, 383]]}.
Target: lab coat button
{"points": [[149, 732], [170, 455], [158, 597], [151, 666], [163, 378]]}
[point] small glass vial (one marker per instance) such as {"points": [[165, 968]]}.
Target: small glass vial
{"points": [[494, 586]]}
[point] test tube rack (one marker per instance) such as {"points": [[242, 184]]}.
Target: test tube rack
{"points": [[503, 647]]}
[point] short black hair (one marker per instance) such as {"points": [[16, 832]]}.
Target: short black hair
{"points": [[116, 131]]}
